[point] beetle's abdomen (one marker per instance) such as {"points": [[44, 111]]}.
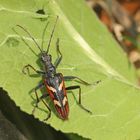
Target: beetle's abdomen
{"points": [[56, 89]]}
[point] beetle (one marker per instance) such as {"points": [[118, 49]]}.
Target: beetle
{"points": [[53, 82]]}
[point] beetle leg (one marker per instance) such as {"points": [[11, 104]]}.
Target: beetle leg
{"points": [[31, 67], [59, 54], [68, 78], [80, 103], [49, 115], [41, 99], [41, 85]]}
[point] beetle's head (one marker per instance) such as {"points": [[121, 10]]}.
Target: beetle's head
{"points": [[45, 58]]}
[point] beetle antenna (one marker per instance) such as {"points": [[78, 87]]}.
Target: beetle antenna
{"points": [[30, 37], [43, 35], [24, 41], [52, 34]]}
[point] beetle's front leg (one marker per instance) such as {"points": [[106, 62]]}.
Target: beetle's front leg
{"points": [[80, 102], [26, 67], [59, 54]]}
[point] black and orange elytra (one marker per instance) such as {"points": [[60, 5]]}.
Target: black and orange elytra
{"points": [[53, 81]]}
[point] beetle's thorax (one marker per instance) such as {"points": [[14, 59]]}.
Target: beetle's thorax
{"points": [[47, 64]]}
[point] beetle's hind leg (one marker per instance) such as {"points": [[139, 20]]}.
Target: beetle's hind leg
{"points": [[70, 78], [44, 102], [39, 86], [49, 114], [38, 99], [79, 101]]}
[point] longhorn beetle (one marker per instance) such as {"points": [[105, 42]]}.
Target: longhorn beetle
{"points": [[53, 81]]}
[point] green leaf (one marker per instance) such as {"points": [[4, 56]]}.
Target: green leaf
{"points": [[89, 52]]}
